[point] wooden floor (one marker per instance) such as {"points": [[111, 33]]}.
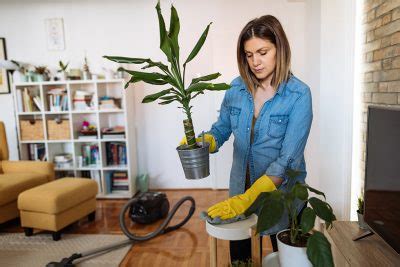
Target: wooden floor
{"points": [[187, 246]]}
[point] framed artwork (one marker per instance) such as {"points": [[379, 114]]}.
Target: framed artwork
{"points": [[4, 79], [55, 34]]}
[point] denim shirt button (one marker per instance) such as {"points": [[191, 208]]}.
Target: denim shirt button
{"points": [[248, 129]]}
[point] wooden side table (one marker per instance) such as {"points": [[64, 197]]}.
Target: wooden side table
{"points": [[235, 231]]}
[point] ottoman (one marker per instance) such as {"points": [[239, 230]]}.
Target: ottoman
{"points": [[55, 205]]}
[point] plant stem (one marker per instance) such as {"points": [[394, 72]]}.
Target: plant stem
{"points": [[189, 130]]}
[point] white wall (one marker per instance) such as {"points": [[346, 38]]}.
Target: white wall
{"points": [[317, 30]]}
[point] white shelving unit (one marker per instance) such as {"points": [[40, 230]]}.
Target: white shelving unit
{"points": [[99, 117]]}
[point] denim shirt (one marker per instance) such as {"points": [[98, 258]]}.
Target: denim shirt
{"points": [[280, 134]]}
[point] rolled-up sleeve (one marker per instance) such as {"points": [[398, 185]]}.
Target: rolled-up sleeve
{"points": [[297, 131]]}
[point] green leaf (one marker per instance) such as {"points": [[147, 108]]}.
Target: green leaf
{"points": [[315, 190], [319, 250], [300, 191], [271, 212], [198, 46], [131, 80], [153, 97], [164, 43], [151, 78], [206, 78], [307, 220], [174, 28], [292, 173], [322, 209], [169, 97], [166, 102], [197, 87], [160, 65], [257, 204], [128, 60]]}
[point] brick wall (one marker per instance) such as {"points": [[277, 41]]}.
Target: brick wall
{"points": [[380, 59]]}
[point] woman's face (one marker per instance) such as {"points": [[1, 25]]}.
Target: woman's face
{"points": [[261, 57]]}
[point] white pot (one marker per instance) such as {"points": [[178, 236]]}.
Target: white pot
{"points": [[290, 256], [18, 77]]}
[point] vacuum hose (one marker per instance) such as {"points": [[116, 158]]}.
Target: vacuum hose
{"points": [[162, 229]]}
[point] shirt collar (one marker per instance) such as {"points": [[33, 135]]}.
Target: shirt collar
{"points": [[280, 90]]}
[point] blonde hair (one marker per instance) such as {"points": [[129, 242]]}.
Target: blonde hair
{"points": [[269, 28]]}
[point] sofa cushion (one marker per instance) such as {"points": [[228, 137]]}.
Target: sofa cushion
{"points": [[57, 196], [12, 184]]}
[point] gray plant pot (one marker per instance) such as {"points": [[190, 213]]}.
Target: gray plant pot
{"points": [[361, 222], [195, 162]]}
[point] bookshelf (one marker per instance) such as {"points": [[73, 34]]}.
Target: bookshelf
{"points": [[49, 119]]}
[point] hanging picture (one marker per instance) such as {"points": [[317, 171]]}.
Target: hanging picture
{"points": [[4, 79], [55, 34]]}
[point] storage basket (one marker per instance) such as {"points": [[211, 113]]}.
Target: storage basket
{"points": [[31, 129], [58, 129]]}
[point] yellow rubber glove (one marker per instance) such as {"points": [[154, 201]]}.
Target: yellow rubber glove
{"points": [[238, 204], [207, 138]]}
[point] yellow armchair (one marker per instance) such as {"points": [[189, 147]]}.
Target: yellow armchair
{"points": [[18, 176]]}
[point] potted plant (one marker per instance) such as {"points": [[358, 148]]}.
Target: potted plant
{"points": [[360, 213], [300, 244], [41, 73], [194, 156], [62, 70], [19, 73]]}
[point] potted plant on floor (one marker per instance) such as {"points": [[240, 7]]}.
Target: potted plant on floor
{"points": [[300, 244], [360, 213], [194, 156]]}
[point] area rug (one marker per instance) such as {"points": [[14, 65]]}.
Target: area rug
{"points": [[18, 250]]}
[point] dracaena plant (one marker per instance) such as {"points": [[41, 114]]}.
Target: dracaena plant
{"points": [[172, 73], [276, 204]]}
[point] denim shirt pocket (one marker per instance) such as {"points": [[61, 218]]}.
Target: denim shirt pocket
{"points": [[277, 125], [234, 115]]}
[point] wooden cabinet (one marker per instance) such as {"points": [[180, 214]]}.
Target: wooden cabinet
{"points": [[370, 251]]}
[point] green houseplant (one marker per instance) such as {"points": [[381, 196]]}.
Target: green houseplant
{"points": [[313, 244], [173, 74], [62, 70], [360, 212], [41, 73]]}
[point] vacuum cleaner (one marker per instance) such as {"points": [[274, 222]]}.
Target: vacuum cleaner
{"points": [[145, 208]]}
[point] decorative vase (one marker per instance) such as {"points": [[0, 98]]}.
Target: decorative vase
{"points": [[361, 222], [195, 162], [39, 78], [19, 77], [63, 76], [292, 256]]}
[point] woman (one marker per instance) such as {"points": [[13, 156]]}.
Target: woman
{"points": [[269, 112]]}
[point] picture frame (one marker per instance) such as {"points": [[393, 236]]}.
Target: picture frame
{"points": [[4, 78]]}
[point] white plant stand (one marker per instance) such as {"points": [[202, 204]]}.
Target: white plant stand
{"points": [[235, 231]]}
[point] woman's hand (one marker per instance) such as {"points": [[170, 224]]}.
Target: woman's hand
{"points": [[239, 204], [207, 138]]}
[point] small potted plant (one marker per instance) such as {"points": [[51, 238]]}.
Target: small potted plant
{"points": [[19, 75], [62, 70], [194, 156], [41, 73], [360, 213], [300, 244], [86, 72]]}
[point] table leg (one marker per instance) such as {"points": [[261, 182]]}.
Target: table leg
{"points": [[255, 248], [213, 251]]}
